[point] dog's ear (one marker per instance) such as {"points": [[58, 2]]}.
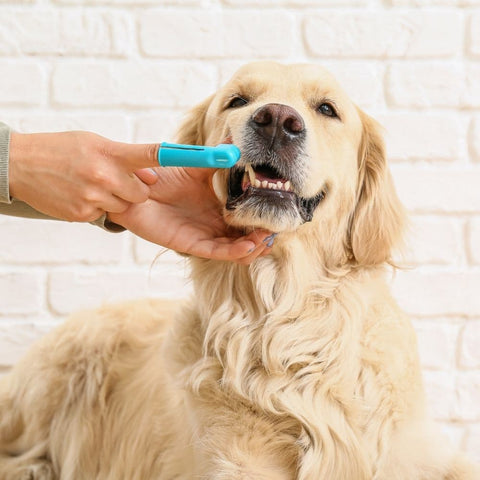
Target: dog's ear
{"points": [[378, 220], [191, 131]]}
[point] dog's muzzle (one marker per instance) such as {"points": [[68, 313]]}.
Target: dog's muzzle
{"points": [[269, 178]]}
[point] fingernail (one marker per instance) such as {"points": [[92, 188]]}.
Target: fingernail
{"points": [[153, 171], [269, 240], [251, 250]]}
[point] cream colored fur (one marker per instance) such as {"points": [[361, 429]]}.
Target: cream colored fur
{"points": [[299, 366]]}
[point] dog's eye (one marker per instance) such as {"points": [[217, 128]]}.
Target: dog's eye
{"points": [[237, 102], [327, 109]]}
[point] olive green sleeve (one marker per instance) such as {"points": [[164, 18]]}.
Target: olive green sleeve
{"points": [[4, 152]]}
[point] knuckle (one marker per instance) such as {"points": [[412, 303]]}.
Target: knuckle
{"points": [[152, 152], [99, 175], [84, 213], [102, 179]]}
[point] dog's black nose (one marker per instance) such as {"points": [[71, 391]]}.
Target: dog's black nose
{"points": [[276, 121]]}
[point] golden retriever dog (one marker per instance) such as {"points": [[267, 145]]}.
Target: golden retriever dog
{"points": [[297, 366]]}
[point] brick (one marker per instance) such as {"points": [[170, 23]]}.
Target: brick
{"points": [[440, 394], [384, 35], [53, 242], [20, 292], [240, 34], [469, 345], [115, 127], [438, 190], [470, 97], [424, 84], [158, 127], [73, 290], [16, 338], [21, 83], [472, 442], [474, 139], [434, 241], [132, 3], [436, 293], [473, 241], [60, 32], [422, 136], [433, 84], [131, 84], [437, 342], [474, 34], [422, 3], [468, 388], [298, 3]]}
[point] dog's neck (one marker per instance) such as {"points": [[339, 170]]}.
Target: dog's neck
{"points": [[260, 311]]}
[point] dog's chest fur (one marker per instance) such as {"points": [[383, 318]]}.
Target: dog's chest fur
{"points": [[308, 361]]}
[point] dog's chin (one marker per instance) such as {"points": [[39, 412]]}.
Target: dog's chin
{"points": [[274, 211], [257, 197]]}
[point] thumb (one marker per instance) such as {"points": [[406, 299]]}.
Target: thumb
{"points": [[147, 175], [135, 156]]}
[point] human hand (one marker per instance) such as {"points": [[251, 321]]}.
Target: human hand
{"points": [[184, 214], [78, 176]]}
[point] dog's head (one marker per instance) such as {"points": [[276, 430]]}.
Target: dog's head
{"points": [[309, 156]]}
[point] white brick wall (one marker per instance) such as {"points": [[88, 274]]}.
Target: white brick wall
{"points": [[128, 69]]}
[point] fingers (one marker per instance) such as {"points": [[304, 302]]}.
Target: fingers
{"points": [[132, 184], [147, 175], [115, 204], [263, 245], [134, 156], [90, 212], [130, 188], [243, 250]]}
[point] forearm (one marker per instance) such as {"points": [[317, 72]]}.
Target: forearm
{"points": [[17, 208]]}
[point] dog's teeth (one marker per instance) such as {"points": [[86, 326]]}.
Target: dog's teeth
{"points": [[251, 173], [255, 182]]}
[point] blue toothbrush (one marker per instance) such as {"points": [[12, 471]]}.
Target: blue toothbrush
{"points": [[178, 155]]}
